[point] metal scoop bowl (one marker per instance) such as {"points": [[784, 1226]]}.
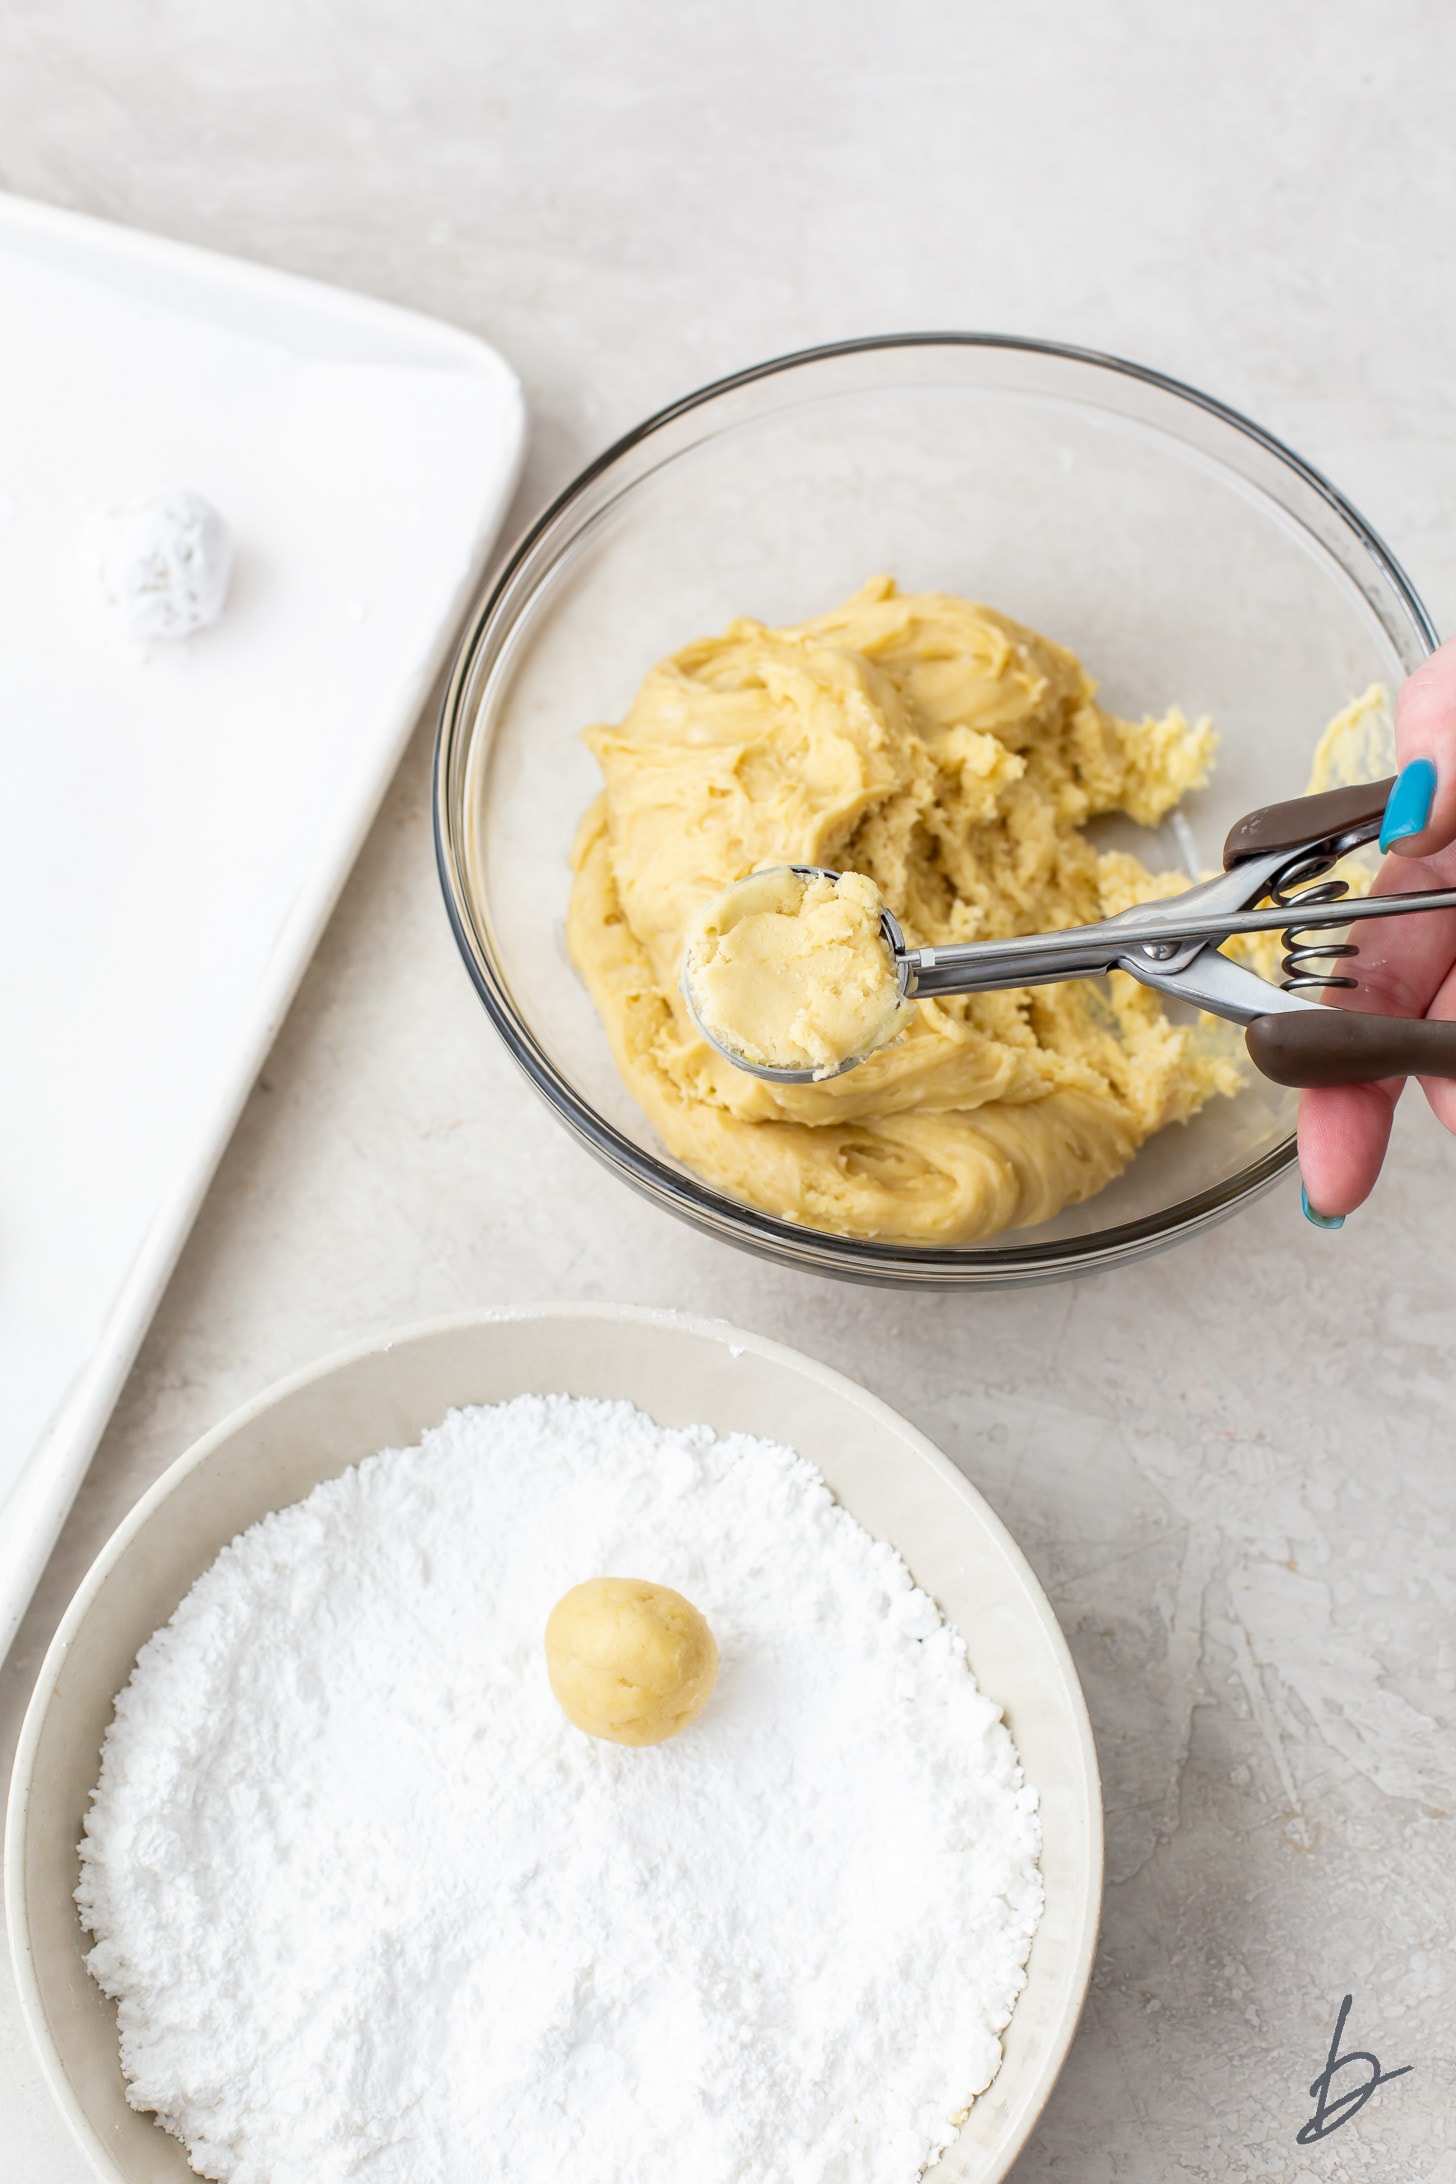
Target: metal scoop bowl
{"points": [[901, 960]]}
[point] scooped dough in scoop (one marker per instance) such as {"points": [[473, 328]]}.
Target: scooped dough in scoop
{"points": [[794, 972]]}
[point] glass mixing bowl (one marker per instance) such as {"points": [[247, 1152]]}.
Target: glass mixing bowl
{"points": [[1182, 553]]}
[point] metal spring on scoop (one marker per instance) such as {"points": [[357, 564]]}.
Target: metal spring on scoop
{"points": [[1293, 890]]}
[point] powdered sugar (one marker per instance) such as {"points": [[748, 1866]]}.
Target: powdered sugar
{"points": [[371, 1907]]}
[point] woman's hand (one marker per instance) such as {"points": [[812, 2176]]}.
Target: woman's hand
{"points": [[1406, 966]]}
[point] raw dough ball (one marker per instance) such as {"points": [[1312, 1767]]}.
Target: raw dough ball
{"points": [[163, 563], [629, 1661]]}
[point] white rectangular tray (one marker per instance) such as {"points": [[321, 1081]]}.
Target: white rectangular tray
{"points": [[176, 822]]}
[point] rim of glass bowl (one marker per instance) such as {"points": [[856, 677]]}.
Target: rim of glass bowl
{"points": [[485, 653]]}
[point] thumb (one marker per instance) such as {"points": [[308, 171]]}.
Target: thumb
{"points": [[1421, 815]]}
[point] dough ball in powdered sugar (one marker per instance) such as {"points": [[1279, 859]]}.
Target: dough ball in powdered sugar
{"points": [[162, 563], [630, 1661]]}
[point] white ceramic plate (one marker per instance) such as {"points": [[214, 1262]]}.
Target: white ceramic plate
{"points": [[176, 824], [386, 1392]]}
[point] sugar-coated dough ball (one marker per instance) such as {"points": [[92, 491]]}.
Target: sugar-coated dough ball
{"points": [[163, 563], [629, 1661]]}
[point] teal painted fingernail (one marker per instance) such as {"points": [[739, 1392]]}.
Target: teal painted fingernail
{"points": [[1321, 1220], [1409, 809]]}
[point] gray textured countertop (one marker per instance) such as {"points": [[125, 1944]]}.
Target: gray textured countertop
{"points": [[1232, 1466]]}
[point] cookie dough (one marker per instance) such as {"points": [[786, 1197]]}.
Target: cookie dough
{"points": [[629, 1661], [794, 972], [954, 758]]}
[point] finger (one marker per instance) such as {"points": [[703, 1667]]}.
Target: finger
{"points": [[1403, 961], [1406, 967], [1421, 815], [1441, 1091], [1343, 1132]]}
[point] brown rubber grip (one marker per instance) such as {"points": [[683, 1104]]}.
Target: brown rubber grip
{"points": [[1340, 1046], [1307, 819]]}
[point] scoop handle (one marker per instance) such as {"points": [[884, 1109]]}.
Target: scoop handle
{"points": [[1306, 819], [1339, 1046]]}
